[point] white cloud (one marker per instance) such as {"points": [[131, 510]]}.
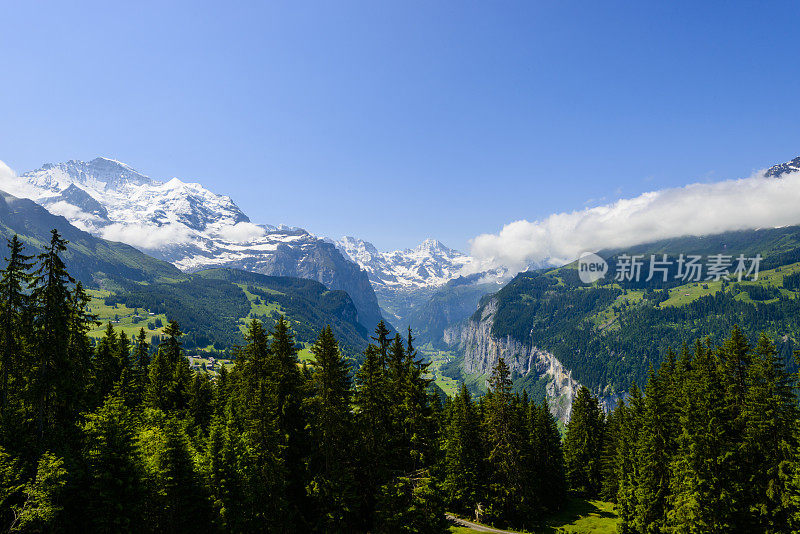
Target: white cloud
{"points": [[147, 236], [6, 172], [71, 212], [697, 209], [10, 183], [242, 232]]}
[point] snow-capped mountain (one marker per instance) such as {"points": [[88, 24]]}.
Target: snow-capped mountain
{"points": [[187, 225], [430, 264], [776, 171], [111, 199], [423, 287]]}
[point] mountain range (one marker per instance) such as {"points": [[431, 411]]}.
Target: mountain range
{"points": [[194, 229], [212, 306], [188, 226]]}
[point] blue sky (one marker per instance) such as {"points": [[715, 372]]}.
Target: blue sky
{"points": [[398, 121]]}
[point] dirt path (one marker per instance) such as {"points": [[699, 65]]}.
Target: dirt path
{"points": [[476, 526]]}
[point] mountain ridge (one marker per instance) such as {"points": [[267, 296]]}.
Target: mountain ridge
{"points": [[187, 225]]}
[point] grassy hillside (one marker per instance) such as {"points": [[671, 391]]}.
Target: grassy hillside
{"points": [[213, 307]]}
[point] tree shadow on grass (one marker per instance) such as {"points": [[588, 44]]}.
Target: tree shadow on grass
{"points": [[579, 510]]}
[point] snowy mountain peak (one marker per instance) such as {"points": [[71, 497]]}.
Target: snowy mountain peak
{"points": [[429, 264], [777, 171], [111, 173], [113, 200], [435, 249]]}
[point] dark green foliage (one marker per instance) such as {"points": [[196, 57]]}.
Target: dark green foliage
{"points": [[43, 509], [99, 437], [209, 304], [583, 445], [179, 499], [549, 485], [411, 505], [15, 305], [506, 443], [115, 472], [464, 455], [372, 423], [712, 445], [792, 281], [332, 486]]}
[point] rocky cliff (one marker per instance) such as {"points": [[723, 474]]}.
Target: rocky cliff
{"points": [[481, 351]]}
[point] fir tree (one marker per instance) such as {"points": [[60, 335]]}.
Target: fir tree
{"points": [[43, 507], [107, 367], [507, 497], [701, 486], [14, 305], [583, 444], [654, 454], [201, 402], [629, 419], [463, 455], [547, 459], [57, 379], [770, 416], [141, 363], [372, 418], [181, 504], [116, 486], [291, 417], [332, 431], [420, 425], [254, 440]]}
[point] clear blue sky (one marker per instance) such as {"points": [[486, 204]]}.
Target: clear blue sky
{"points": [[394, 121]]}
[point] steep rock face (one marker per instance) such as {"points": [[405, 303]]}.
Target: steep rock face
{"points": [[188, 225], [481, 351], [448, 305]]}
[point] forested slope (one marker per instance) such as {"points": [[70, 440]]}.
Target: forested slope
{"points": [[609, 333]]}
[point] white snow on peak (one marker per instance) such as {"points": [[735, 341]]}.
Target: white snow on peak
{"points": [[178, 221], [430, 264]]}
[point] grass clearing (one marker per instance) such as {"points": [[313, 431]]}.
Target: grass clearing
{"points": [[438, 358], [258, 307], [122, 318], [580, 516]]}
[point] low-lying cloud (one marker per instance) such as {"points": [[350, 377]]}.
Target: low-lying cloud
{"points": [[242, 232], [147, 237], [696, 209], [11, 184]]}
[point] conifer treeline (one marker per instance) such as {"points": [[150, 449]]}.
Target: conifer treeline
{"points": [[711, 445]]}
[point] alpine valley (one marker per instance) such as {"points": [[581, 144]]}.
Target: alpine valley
{"points": [[187, 247]]}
